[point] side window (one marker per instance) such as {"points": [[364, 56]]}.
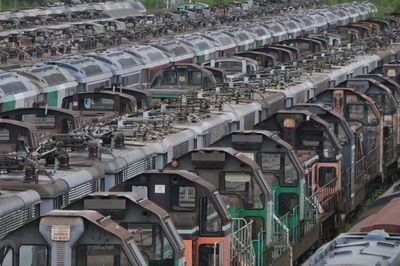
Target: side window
{"points": [[356, 112], [236, 182], [170, 78], [6, 256], [96, 255], [290, 173], [327, 175], [287, 201], [209, 218], [183, 198], [33, 255], [194, 77]]}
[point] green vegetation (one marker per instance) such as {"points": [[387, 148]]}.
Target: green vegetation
{"points": [[384, 6]]}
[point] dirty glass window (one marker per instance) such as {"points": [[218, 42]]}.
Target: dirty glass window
{"points": [[243, 36], [41, 121], [33, 255], [287, 202], [170, 77], [154, 56], [183, 198], [127, 62], [100, 255], [179, 50], [151, 240], [230, 66], [210, 221], [290, 176], [6, 256], [328, 149], [4, 135], [270, 161], [92, 70], [371, 118], [356, 112], [225, 40], [194, 77], [327, 175], [203, 46], [236, 182], [101, 104]]}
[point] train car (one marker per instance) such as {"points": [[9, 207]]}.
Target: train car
{"points": [[224, 43], [281, 53], [245, 191], [362, 245], [100, 105], [126, 68], [245, 40], [47, 120], [359, 110], [204, 49], [344, 15], [151, 226], [17, 136], [54, 83], [293, 27], [286, 174], [346, 139], [234, 66], [307, 24], [72, 237], [264, 60], [18, 207], [153, 58], [179, 79], [262, 34], [333, 19], [278, 31], [320, 22], [178, 52], [16, 91], [196, 208], [90, 73]]}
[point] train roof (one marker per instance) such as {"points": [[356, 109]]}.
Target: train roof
{"points": [[221, 39], [199, 44], [151, 56], [179, 51], [358, 249], [12, 84], [260, 32], [240, 35]]}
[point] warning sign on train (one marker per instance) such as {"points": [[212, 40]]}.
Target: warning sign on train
{"points": [[60, 233]]}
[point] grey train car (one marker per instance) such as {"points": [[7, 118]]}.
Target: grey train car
{"points": [[90, 73], [72, 237], [151, 226]]}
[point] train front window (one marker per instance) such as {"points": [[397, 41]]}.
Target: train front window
{"points": [[194, 78], [327, 175], [270, 161], [151, 240], [356, 112], [210, 221], [230, 66], [98, 104], [33, 255], [183, 198], [141, 190], [236, 182], [170, 77], [6, 256], [41, 121], [100, 255], [287, 202], [290, 176]]}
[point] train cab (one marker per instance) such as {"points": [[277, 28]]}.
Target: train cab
{"points": [[346, 139], [234, 66], [100, 105], [178, 79], [204, 49], [196, 209], [392, 70], [316, 147], [151, 226], [264, 60], [281, 54], [286, 176], [360, 111], [346, 35], [17, 136], [278, 31], [306, 46], [72, 238], [262, 34], [143, 97], [245, 40], [389, 109], [293, 27], [179, 52], [333, 19], [243, 187], [48, 120]]}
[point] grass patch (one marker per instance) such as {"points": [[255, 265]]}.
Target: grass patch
{"points": [[384, 6]]}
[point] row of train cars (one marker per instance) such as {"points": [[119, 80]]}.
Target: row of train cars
{"points": [[205, 173], [134, 66]]}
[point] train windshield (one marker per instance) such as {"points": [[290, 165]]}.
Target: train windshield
{"points": [[33, 255], [151, 240], [244, 186], [281, 165], [101, 104], [96, 255], [230, 66]]}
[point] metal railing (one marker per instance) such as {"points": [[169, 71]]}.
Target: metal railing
{"points": [[292, 221], [242, 251], [373, 162], [326, 203], [218, 253], [311, 212], [360, 174], [389, 149]]}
